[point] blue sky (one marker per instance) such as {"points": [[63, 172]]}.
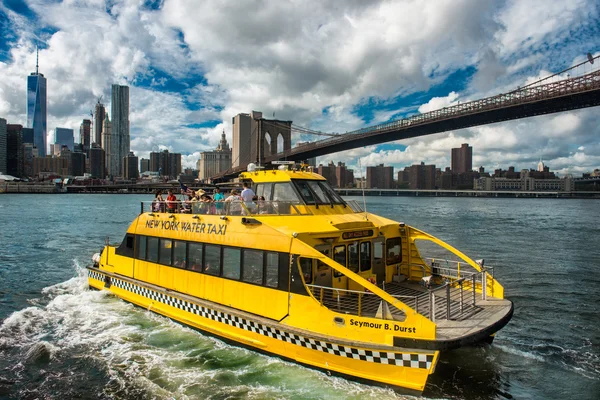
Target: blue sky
{"points": [[328, 66]]}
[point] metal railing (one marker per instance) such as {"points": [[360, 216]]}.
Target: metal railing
{"points": [[235, 207], [360, 303]]}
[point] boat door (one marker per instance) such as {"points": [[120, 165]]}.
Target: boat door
{"points": [[378, 261], [366, 259], [340, 281], [323, 274], [354, 265]]}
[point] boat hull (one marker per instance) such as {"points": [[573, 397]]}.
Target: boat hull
{"points": [[384, 365]]}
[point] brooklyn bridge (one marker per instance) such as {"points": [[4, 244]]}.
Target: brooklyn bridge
{"points": [[573, 88]]}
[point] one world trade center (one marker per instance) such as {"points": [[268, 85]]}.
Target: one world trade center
{"points": [[36, 109]]}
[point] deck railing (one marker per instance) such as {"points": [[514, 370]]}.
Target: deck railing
{"points": [[454, 295], [235, 207], [360, 303]]}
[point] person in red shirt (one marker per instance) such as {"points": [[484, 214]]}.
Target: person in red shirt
{"points": [[171, 202]]}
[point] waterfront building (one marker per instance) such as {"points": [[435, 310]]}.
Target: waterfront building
{"points": [[97, 161], [99, 114], [165, 163], [63, 137], [27, 135], [380, 177], [120, 140], [29, 152], [337, 175], [49, 166], [36, 108], [14, 150], [3, 147], [462, 159], [144, 165], [106, 142], [78, 165], [214, 162], [525, 183], [421, 176], [130, 167], [84, 134]]}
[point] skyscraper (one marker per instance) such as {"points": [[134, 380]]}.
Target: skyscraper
{"points": [[462, 159], [99, 115], [36, 109], [3, 148], [212, 163], [64, 137], [84, 134], [119, 146], [97, 161]]}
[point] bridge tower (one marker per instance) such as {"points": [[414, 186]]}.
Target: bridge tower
{"points": [[255, 138]]}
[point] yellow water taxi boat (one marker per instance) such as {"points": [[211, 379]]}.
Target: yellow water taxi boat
{"points": [[309, 277]]}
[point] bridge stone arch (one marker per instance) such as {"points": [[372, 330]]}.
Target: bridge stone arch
{"points": [[275, 137]]}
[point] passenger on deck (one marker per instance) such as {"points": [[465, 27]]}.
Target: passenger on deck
{"points": [[218, 199], [235, 203], [171, 202], [247, 193], [158, 204]]}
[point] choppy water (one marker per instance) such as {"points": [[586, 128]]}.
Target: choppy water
{"points": [[60, 340]]}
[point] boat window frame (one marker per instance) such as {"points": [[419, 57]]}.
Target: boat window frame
{"points": [[274, 269], [245, 256], [236, 264], [150, 240], [160, 252], [127, 246], [350, 266], [185, 254], [336, 273], [139, 240], [398, 257], [191, 266], [332, 197], [360, 256], [205, 266]]}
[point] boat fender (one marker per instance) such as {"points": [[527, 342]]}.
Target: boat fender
{"points": [[107, 282], [96, 259]]}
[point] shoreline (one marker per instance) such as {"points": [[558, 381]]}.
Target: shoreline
{"points": [[27, 188]]}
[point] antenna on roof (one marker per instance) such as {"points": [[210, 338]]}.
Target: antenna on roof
{"points": [[362, 185], [37, 58]]}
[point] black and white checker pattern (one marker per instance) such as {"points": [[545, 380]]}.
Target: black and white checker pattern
{"points": [[411, 360]]}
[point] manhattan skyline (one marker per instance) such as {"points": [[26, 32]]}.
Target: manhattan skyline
{"points": [[190, 69]]}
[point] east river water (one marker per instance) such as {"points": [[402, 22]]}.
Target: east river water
{"points": [[59, 340]]}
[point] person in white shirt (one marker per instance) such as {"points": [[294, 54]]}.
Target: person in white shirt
{"points": [[247, 193]]}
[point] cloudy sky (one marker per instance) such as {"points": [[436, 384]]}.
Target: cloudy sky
{"points": [[328, 65]]}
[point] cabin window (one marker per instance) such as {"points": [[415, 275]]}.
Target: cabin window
{"points": [[332, 193], [179, 254], [195, 254], [365, 256], [394, 251], [284, 192], [305, 192], [264, 189], [321, 196], [231, 263], [339, 256], [152, 249], [377, 250], [212, 260], [253, 267], [126, 247], [141, 247], [272, 270], [166, 247], [306, 268], [353, 257]]}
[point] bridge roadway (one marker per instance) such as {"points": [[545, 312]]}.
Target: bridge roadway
{"points": [[563, 95]]}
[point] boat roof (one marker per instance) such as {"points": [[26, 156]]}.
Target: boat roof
{"points": [[279, 175]]}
